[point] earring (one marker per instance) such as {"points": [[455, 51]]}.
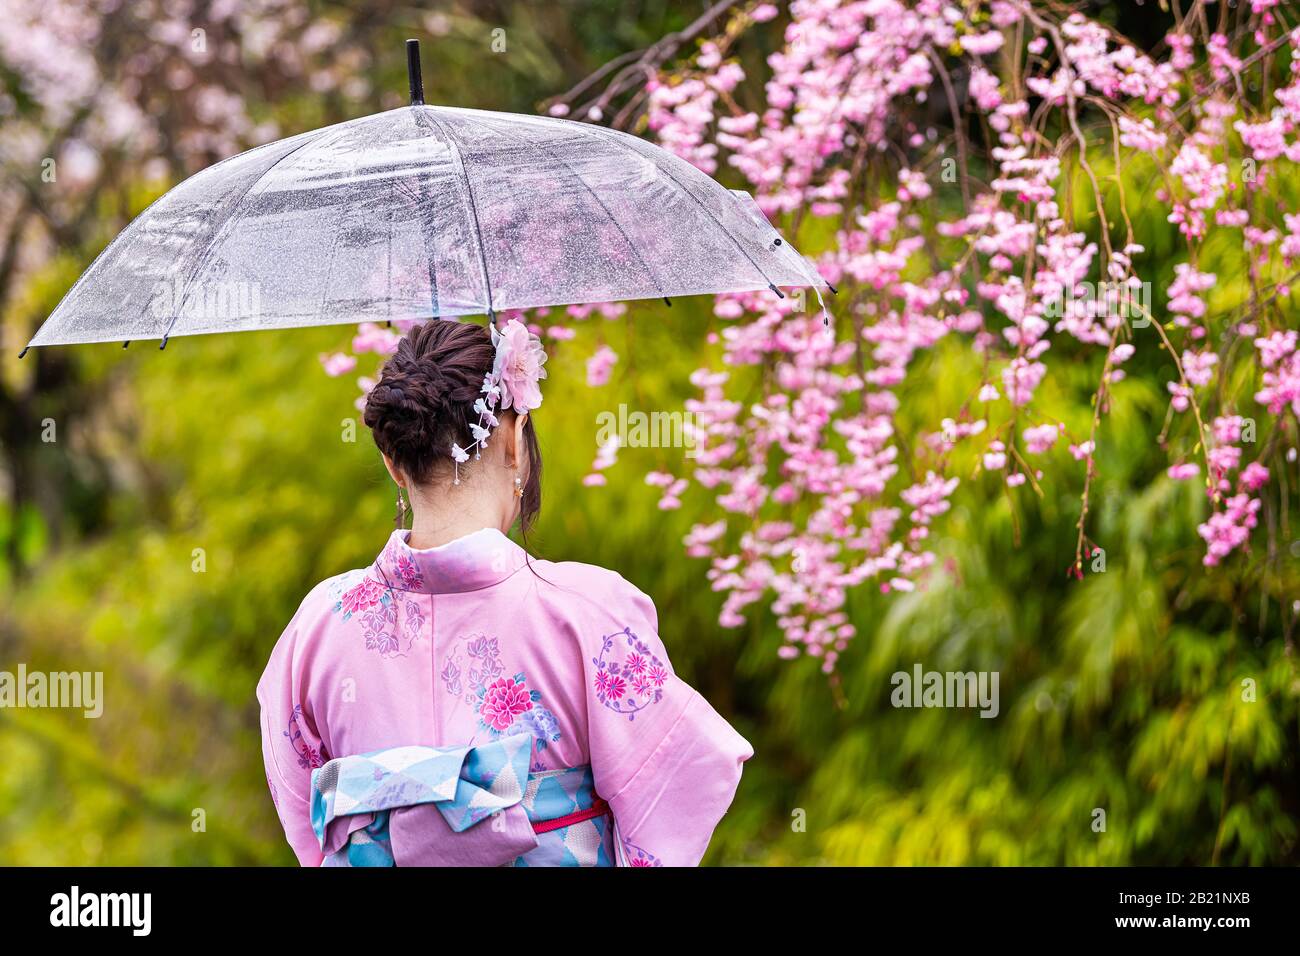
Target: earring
{"points": [[519, 486], [400, 518]]}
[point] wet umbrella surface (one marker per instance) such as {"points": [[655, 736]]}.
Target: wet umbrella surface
{"points": [[423, 211]]}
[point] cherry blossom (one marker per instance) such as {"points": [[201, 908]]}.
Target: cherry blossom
{"points": [[802, 486]]}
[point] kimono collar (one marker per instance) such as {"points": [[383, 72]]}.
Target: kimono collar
{"points": [[468, 563]]}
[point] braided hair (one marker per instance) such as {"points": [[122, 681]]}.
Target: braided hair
{"points": [[424, 402]]}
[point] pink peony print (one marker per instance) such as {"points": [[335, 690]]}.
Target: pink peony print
{"points": [[503, 701], [366, 594]]}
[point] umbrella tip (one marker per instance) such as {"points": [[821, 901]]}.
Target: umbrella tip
{"points": [[164, 343], [413, 72], [779, 293], [24, 351], [668, 302], [834, 291]]}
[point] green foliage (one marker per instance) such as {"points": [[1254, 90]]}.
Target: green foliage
{"points": [[1126, 692], [1121, 692]]}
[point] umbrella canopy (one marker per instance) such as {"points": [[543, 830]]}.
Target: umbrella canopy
{"points": [[422, 211]]}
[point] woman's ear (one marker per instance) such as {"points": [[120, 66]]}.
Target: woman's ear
{"points": [[515, 450], [393, 471]]}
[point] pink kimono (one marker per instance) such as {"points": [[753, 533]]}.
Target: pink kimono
{"points": [[468, 704]]}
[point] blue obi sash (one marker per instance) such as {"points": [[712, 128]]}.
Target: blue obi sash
{"points": [[458, 806]]}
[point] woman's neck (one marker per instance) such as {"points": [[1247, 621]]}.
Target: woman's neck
{"points": [[432, 527]]}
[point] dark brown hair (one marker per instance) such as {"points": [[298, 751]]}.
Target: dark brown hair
{"points": [[425, 398]]}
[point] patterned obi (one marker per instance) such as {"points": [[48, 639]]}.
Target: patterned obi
{"points": [[458, 806]]}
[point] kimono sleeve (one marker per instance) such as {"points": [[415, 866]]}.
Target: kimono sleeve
{"points": [[664, 759], [291, 746]]}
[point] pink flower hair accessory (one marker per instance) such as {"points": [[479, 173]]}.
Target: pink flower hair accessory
{"points": [[512, 384]]}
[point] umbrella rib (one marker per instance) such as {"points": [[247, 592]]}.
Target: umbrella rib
{"points": [[388, 261], [454, 143], [616, 138], [427, 233], [608, 212], [222, 230]]}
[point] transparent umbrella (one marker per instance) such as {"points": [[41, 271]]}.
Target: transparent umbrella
{"points": [[417, 212]]}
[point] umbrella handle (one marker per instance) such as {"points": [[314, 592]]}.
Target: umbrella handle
{"points": [[413, 72]]}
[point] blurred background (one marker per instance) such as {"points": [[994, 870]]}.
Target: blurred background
{"points": [[1121, 692]]}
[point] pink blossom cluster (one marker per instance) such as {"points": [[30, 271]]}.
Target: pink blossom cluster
{"points": [[1280, 358], [153, 85], [810, 479], [806, 484], [600, 366]]}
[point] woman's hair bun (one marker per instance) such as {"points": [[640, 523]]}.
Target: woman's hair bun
{"points": [[424, 399]]}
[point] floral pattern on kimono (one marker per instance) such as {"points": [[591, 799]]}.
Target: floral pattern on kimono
{"points": [[308, 756], [469, 643], [408, 576], [504, 705], [363, 595], [389, 619], [639, 857], [632, 682], [383, 631]]}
